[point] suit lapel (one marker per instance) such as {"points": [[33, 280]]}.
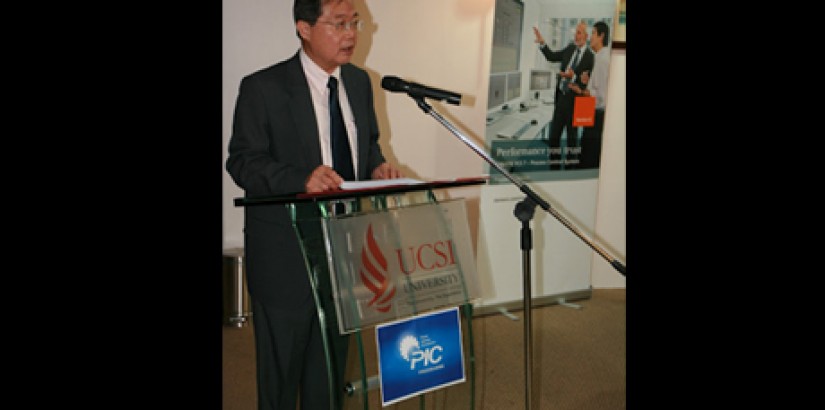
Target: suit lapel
{"points": [[303, 113]]}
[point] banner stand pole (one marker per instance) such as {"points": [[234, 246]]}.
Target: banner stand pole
{"points": [[524, 211]]}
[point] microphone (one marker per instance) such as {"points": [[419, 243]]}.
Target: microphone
{"points": [[415, 90]]}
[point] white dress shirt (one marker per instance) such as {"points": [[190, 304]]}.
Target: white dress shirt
{"points": [[318, 79]]}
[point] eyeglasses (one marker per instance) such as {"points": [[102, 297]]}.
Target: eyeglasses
{"points": [[340, 26]]}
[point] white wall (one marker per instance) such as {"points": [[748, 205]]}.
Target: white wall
{"points": [[611, 209], [440, 43], [256, 34]]}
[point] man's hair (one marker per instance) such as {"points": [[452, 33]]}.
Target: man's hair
{"points": [[309, 11], [601, 28]]}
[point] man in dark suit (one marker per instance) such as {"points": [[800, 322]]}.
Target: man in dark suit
{"points": [[281, 144], [575, 59]]}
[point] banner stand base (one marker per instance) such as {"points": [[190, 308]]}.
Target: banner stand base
{"points": [[559, 298]]}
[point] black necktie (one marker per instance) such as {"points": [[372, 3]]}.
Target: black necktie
{"points": [[341, 154], [572, 66]]}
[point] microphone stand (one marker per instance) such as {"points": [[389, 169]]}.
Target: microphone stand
{"points": [[524, 211]]}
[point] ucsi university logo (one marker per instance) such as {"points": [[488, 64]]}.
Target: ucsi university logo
{"points": [[423, 258], [376, 277]]}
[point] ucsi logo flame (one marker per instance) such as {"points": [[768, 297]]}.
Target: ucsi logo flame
{"points": [[376, 276]]}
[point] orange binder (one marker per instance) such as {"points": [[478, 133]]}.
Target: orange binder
{"points": [[584, 111]]}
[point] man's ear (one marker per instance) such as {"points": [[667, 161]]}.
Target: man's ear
{"points": [[304, 29]]}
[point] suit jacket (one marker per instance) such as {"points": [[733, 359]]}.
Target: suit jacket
{"points": [[586, 62], [273, 148]]}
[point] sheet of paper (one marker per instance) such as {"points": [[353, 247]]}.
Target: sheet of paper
{"points": [[379, 183]]}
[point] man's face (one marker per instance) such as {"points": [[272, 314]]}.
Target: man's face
{"points": [[325, 45], [595, 39], [581, 34]]}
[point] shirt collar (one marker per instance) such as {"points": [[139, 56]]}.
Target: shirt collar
{"points": [[316, 75]]}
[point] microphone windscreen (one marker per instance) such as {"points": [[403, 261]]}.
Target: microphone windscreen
{"points": [[392, 83]]}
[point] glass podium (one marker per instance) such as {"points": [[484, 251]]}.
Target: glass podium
{"points": [[378, 255]]}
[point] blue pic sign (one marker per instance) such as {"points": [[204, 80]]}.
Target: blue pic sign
{"points": [[419, 354]]}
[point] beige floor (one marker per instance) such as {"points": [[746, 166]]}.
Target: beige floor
{"points": [[579, 358]]}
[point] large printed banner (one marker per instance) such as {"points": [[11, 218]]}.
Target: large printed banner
{"points": [[545, 117], [392, 264], [548, 76], [420, 354]]}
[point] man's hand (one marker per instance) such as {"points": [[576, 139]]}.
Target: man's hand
{"points": [[323, 179], [539, 38], [386, 171]]}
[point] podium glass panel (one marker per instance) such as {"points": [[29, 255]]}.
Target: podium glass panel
{"points": [[376, 258], [395, 263]]}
